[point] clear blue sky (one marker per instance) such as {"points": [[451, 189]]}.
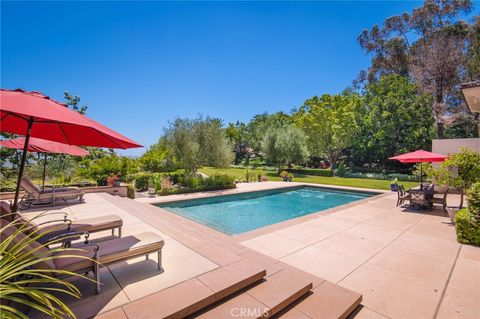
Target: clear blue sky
{"points": [[140, 65]]}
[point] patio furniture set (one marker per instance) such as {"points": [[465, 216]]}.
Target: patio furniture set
{"points": [[91, 254], [424, 196]]}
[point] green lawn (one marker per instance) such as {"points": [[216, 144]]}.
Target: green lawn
{"points": [[239, 173]]}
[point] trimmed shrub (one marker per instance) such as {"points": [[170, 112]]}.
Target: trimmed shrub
{"points": [[473, 199], [311, 171], [341, 170], [221, 181], [141, 181], [197, 183], [130, 191], [468, 232], [400, 177]]}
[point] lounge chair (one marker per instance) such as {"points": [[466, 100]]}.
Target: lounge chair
{"points": [[442, 191], [64, 224], [36, 196], [101, 254], [402, 195]]}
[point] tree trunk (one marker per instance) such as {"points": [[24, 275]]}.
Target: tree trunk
{"points": [[438, 102]]}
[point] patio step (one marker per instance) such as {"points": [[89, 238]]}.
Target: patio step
{"points": [[262, 300], [195, 294], [326, 301]]}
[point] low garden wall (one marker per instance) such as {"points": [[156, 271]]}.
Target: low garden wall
{"points": [[121, 191]]}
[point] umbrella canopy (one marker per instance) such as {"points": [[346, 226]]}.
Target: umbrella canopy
{"points": [[54, 121], [39, 145], [419, 156], [34, 114]]}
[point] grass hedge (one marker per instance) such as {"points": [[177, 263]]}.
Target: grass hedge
{"points": [[311, 171]]}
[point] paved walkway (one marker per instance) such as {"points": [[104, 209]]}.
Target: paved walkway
{"points": [[406, 264]]}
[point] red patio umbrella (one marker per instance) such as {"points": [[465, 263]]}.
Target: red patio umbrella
{"points": [[420, 156], [34, 114], [39, 145]]}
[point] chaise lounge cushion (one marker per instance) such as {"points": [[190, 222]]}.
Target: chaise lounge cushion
{"points": [[128, 247], [111, 251], [76, 264], [91, 225]]}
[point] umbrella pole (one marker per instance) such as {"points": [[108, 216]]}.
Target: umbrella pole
{"points": [[44, 170], [22, 165], [421, 175]]}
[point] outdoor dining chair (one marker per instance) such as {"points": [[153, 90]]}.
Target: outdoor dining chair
{"points": [[418, 198], [402, 195], [440, 196]]}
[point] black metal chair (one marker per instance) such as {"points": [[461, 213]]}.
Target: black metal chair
{"points": [[402, 195]]}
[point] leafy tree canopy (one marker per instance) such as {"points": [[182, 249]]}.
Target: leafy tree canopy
{"points": [[198, 142], [285, 145], [330, 123], [395, 117]]}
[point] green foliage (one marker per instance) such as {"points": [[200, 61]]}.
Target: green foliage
{"points": [[473, 199], [400, 177], [143, 180], [238, 136], [468, 231], [25, 277], [460, 170], [239, 174], [341, 170], [130, 191], [285, 146], [311, 171], [73, 101], [219, 181], [198, 142], [395, 118], [426, 168], [104, 167], [157, 158], [261, 123], [434, 46], [330, 123], [198, 183], [467, 220], [59, 166]]}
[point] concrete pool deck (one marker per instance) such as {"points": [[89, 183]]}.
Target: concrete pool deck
{"points": [[406, 264]]}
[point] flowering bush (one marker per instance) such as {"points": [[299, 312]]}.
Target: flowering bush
{"points": [[111, 180]]}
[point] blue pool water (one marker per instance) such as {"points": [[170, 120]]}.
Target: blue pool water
{"points": [[239, 213]]}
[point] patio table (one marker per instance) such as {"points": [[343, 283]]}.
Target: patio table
{"points": [[428, 193]]}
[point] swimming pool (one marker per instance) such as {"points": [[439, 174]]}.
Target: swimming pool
{"points": [[239, 213]]}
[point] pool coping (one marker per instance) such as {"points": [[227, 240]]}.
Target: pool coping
{"points": [[273, 227]]}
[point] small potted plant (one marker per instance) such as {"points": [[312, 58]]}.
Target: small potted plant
{"points": [[111, 180], [284, 176], [151, 187], [394, 184]]}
